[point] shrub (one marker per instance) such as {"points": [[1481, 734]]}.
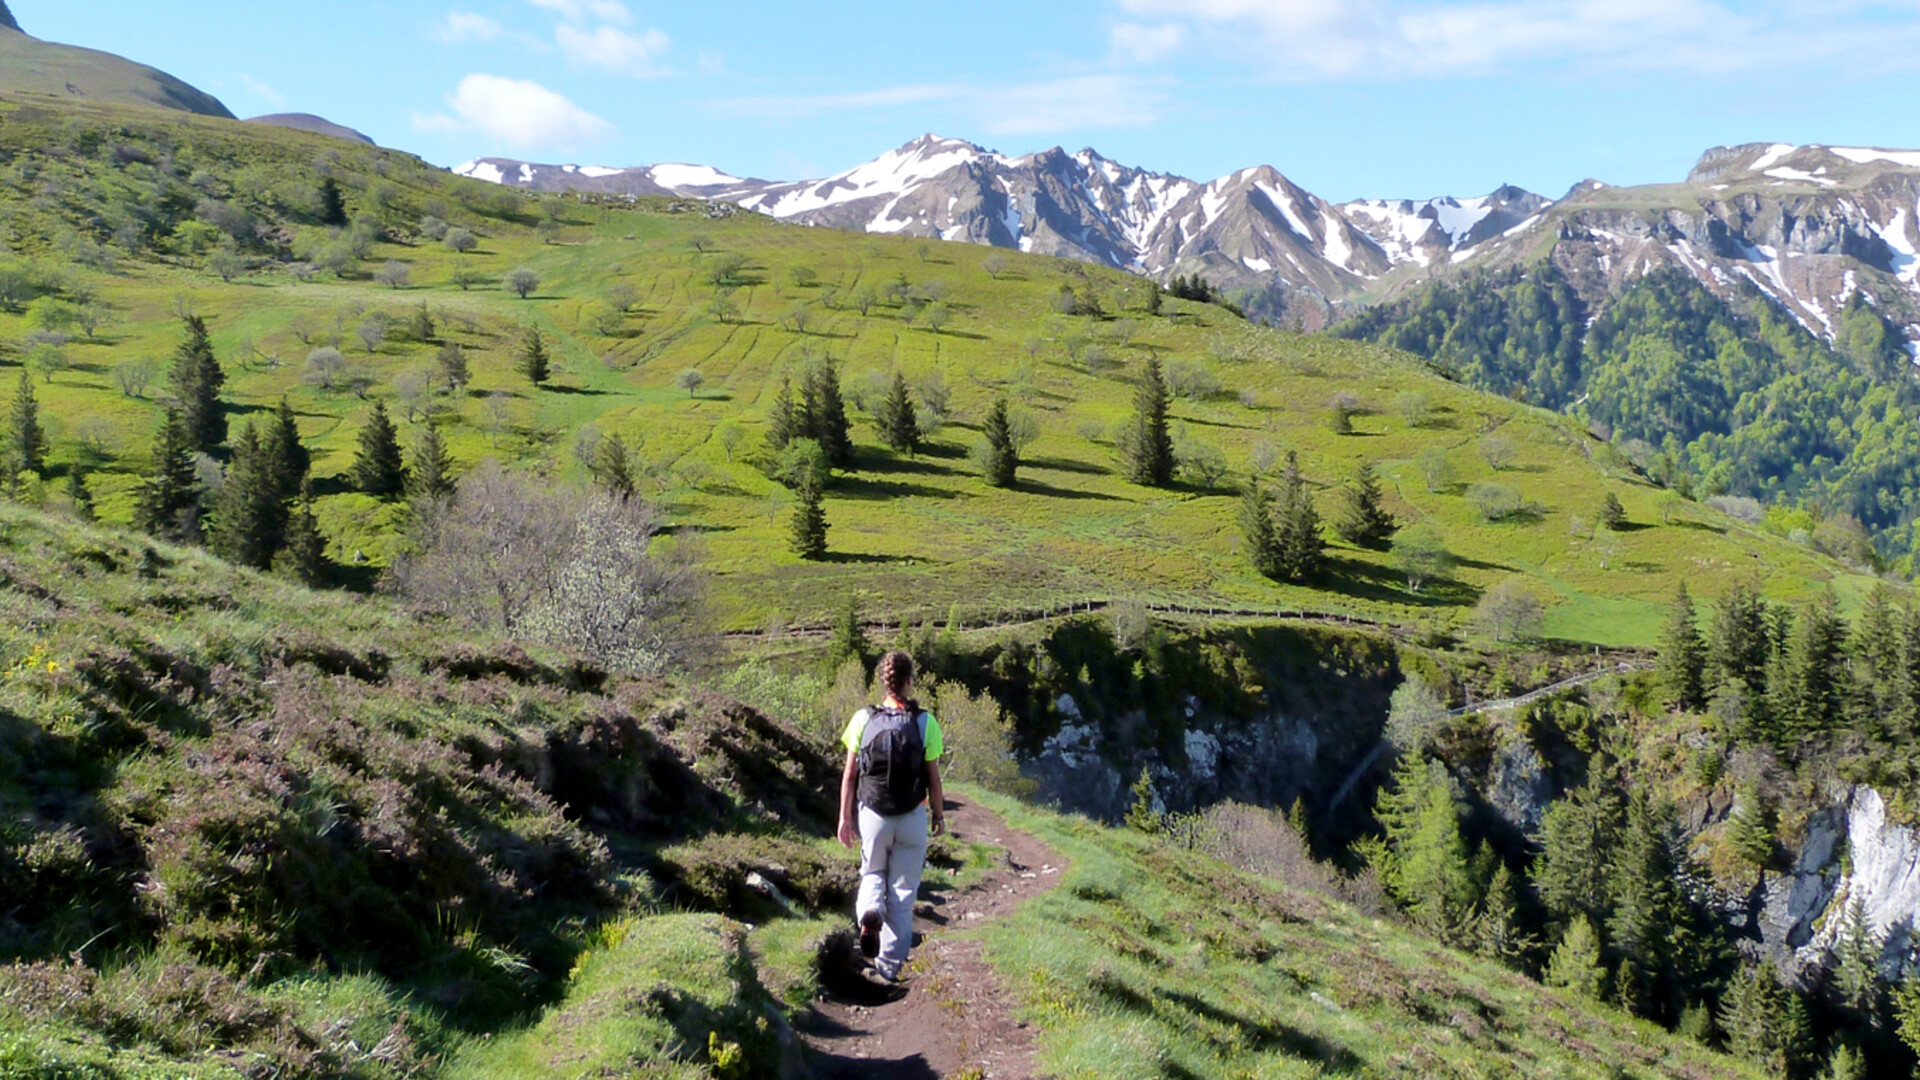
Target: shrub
{"points": [[1496, 502]]}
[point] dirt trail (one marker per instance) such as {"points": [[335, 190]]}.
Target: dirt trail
{"points": [[956, 1019]]}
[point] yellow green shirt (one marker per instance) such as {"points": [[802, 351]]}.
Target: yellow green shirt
{"points": [[930, 734]]}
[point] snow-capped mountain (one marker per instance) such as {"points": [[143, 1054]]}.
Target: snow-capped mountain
{"points": [[1808, 224]]}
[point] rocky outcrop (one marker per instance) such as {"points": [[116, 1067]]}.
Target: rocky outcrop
{"points": [[1850, 853], [6, 18]]}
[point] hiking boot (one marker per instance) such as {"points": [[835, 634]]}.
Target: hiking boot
{"points": [[884, 988], [870, 934]]}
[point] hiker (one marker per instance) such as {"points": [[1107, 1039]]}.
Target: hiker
{"points": [[893, 768]]}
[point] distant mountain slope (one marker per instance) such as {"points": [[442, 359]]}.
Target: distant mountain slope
{"points": [[30, 65], [694, 180], [315, 124]]}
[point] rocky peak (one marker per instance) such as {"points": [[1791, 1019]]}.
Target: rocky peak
{"points": [[6, 18]]}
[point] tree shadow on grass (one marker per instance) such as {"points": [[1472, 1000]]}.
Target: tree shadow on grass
{"points": [[863, 558], [1270, 1034], [578, 391], [873, 489], [1084, 468], [1032, 487], [1363, 580]]}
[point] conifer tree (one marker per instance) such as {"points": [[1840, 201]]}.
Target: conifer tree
{"points": [[1741, 643], [1427, 869], [1149, 445], [26, 439], [170, 496], [1577, 839], [1299, 549], [1650, 920], [535, 364], [333, 205], [1497, 933], [1816, 697], [1907, 718], [1880, 649], [452, 362], [431, 477], [1683, 656], [197, 381], [849, 637], [784, 422], [1765, 1022], [1257, 530], [1782, 711], [809, 532], [1003, 456], [825, 411], [1363, 522], [613, 467], [304, 558], [899, 423], [1576, 962], [378, 468], [1856, 972], [1751, 829], [246, 526], [80, 495], [288, 458], [1142, 815], [1611, 513]]}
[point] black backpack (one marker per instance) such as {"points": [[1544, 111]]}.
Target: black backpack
{"points": [[893, 762]]}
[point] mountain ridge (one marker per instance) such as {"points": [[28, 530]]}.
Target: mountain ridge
{"points": [[1294, 256], [30, 65], [6, 18]]}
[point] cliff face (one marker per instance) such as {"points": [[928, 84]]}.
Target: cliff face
{"points": [[1851, 852]]}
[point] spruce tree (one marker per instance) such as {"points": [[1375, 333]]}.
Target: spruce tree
{"points": [[849, 637], [1299, 549], [304, 558], [1766, 1023], [1740, 644], [378, 468], [288, 458], [169, 497], [431, 477], [80, 495], [899, 423], [1880, 650], [26, 439], [1257, 530], [1781, 715], [1577, 839], [784, 422], [809, 531], [197, 381], [1150, 444], [1497, 933], [1363, 522], [1752, 829], [1142, 816], [1816, 668], [1003, 456], [1427, 869], [1611, 513], [535, 364], [825, 411], [333, 205], [1856, 971], [1650, 919], [1683, 656], [613, 467], [246, 526], [1907, 718], [1576, 963]]}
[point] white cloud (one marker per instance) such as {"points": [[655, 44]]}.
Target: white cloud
{"points": [[1135, 43], [459, 27], [262, 90], [635, 54], [1304, 40], [1037, 108], [519, 113], [612, 11]]}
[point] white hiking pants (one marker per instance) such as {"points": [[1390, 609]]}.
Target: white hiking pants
{"points": [[893, 851]]}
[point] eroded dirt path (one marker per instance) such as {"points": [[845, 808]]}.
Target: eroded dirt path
{"points": [[956, 1018]]}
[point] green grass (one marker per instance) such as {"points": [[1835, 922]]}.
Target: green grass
{"points": [[1152, 961], [922, 533]]}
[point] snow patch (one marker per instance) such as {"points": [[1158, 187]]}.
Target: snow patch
{"points": [[1523, 226], [1258, 266], [687, 176], [1772, 156], [1803, 176], [482, 170], [598, 172], [1859, 156], [1906, 261], [1283, 202], [1337, 250]]}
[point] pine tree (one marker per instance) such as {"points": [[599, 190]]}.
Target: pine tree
{"points": [[1577, 839], [826, 414], [1003, 457], [79, 495], [333, 205], [1856, 972], [784, 423], [1364, 523], [1576, 963], [1907, 717], [1782, 711], [809, 537], [288, 457], [26, 439], [1142, 814], [1752, 828], [849, 637], [1817, 693], [1741, 644], [431, 477], [1150, 444], [899, 423], [535, 364], [1497, 933], [246, 526], [169, 498], [1765, 1022], [1257, 530], [1881, 651], [304, 558], [1299, 549], [613, 467], [197, 381], [378, 468], [1683, 656]]}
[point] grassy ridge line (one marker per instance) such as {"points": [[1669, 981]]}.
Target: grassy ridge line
{"points": [[924, 528]]}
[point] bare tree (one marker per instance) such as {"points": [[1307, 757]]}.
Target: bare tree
{"points": [[325, 369], [1498, 450], [499, 417], [995, 265], [623, 297], [394, 275], [462, 240], [412, 390], [522, 282], [373, 331], [134, 376], [565, 568], [691, 381]]}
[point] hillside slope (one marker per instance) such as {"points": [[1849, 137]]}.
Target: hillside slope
{"points": [[747, 302], [29, 65]]}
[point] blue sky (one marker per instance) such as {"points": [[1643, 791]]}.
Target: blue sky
{"points": [[1348, 97]]}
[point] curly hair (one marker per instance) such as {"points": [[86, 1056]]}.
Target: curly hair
{"points": [[895, 673]]}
